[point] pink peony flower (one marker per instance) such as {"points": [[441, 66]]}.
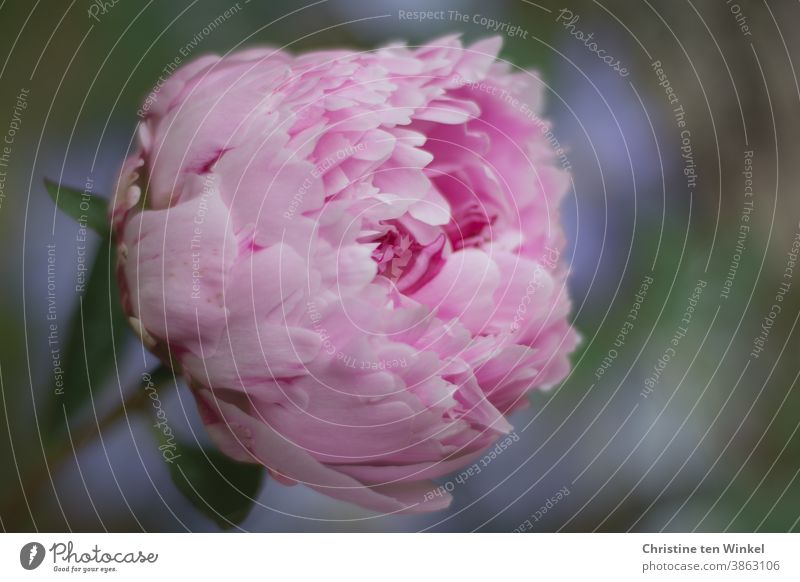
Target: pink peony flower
{"points": [[353, 257]]}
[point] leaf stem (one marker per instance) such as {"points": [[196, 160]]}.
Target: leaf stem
{"points": [[14, 511]]}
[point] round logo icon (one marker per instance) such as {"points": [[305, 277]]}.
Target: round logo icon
{"points": [[31, 555]]}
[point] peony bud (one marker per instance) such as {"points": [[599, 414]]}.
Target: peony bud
{"points": [[353, 258]]}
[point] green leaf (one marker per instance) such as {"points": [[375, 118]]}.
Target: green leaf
{"points": [[86, 208], [221, 488], [98, 328], [98, 334]]}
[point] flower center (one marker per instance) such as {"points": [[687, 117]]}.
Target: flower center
{"points": [[404, 260]]}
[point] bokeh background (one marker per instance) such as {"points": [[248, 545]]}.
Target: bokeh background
{"points": [[712, 446]]}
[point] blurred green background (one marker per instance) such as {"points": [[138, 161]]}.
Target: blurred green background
{"points": [[711, 446]]}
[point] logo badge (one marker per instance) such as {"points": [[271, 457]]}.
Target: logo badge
{"points": [[31, 555]]}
